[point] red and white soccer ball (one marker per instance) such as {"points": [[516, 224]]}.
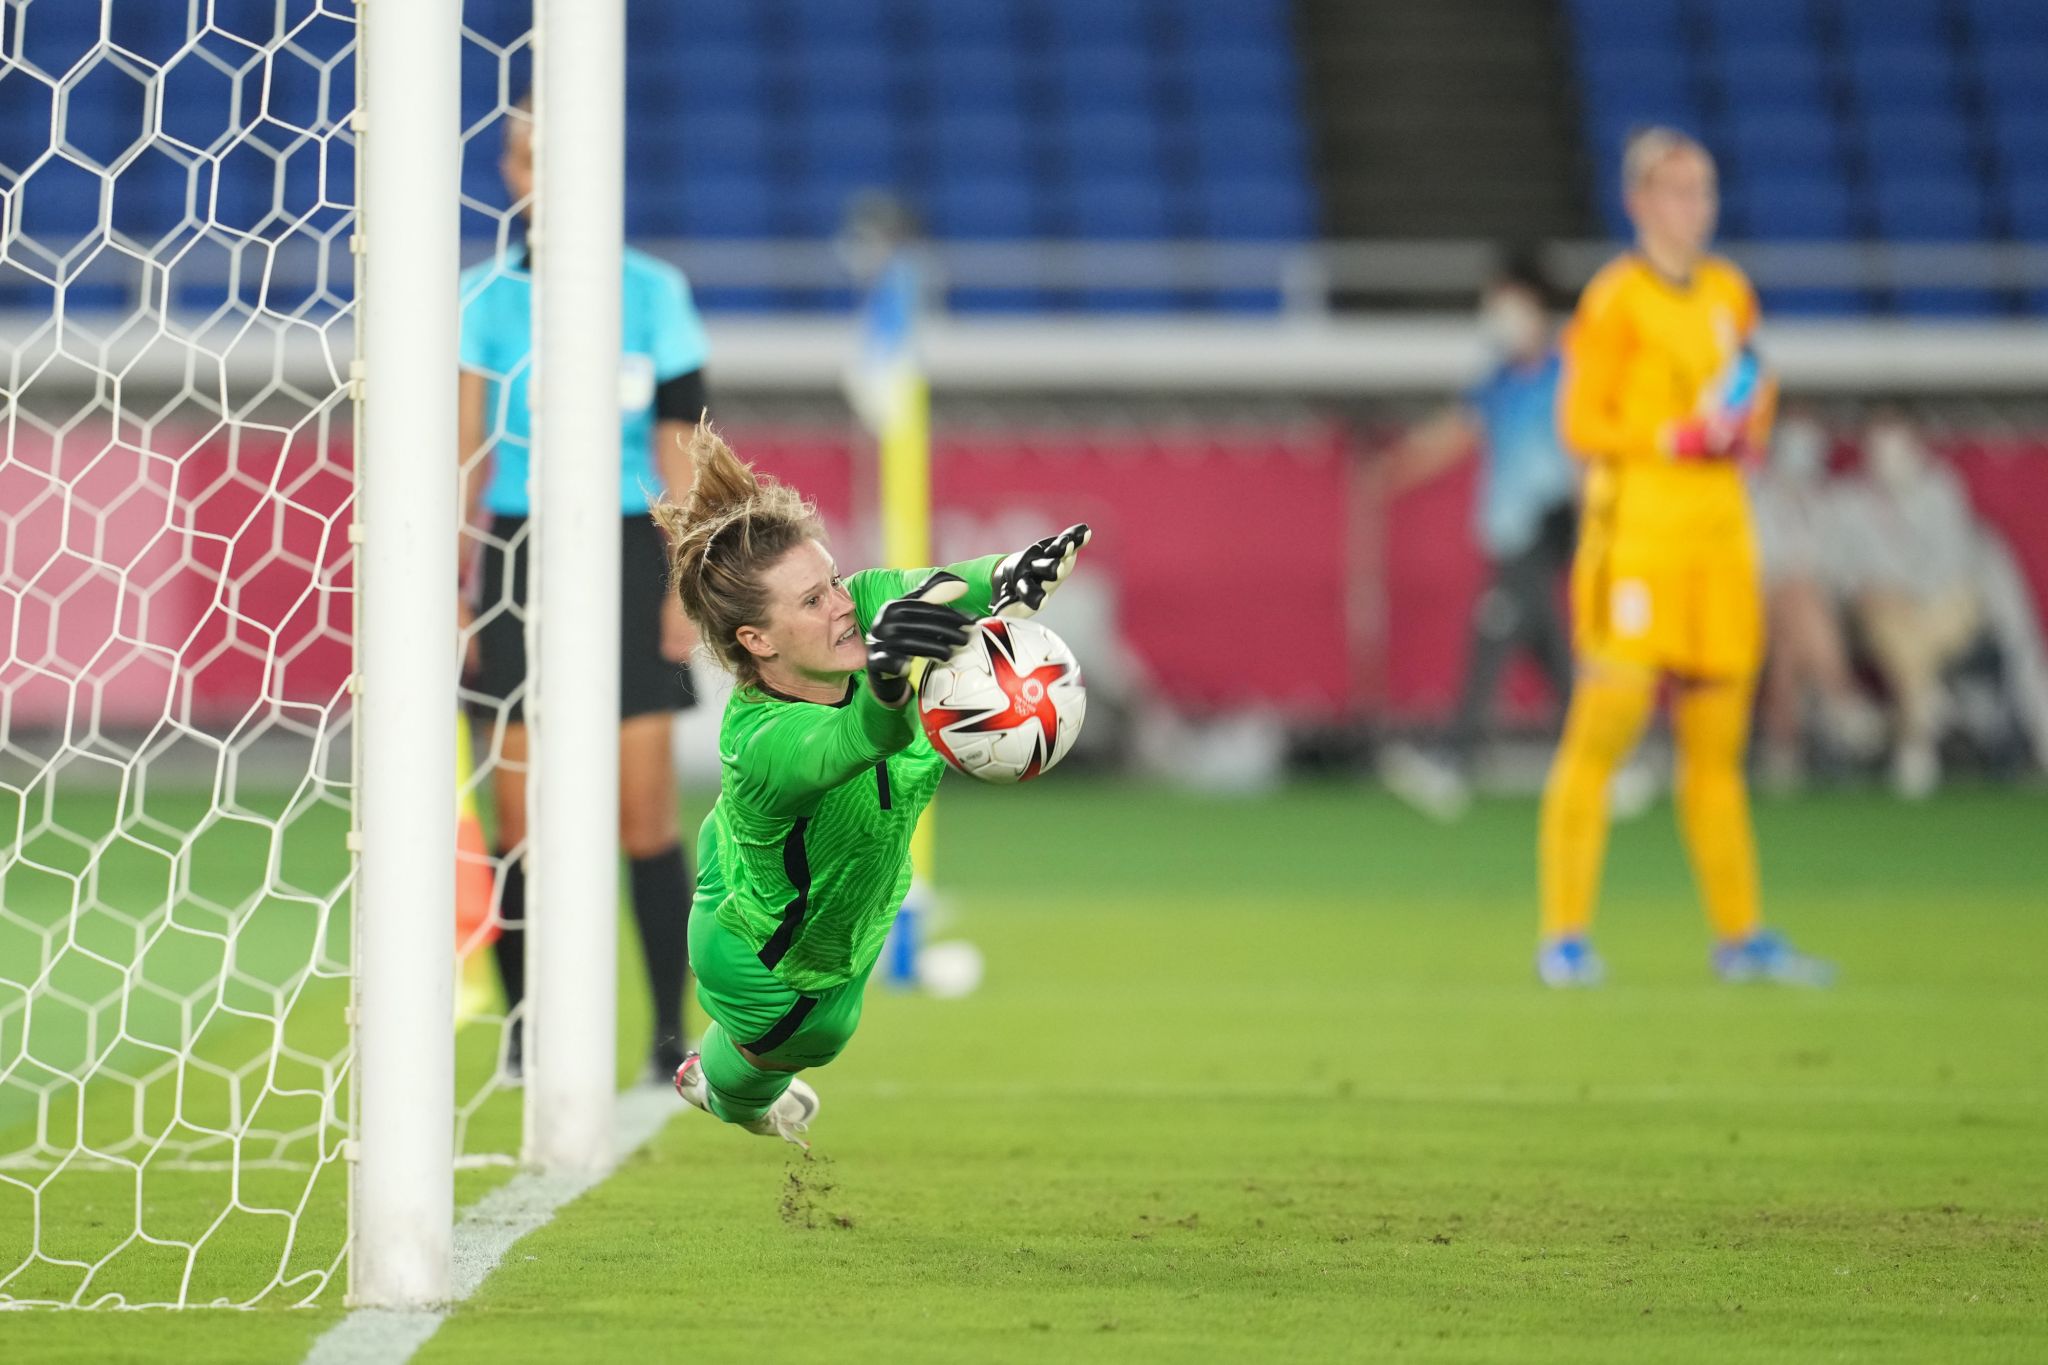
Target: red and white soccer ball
{"points": [[1007, 707]]}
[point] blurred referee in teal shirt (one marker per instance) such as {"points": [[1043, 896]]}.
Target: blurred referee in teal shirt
{"points": [[661, 394], [1525, 520]]}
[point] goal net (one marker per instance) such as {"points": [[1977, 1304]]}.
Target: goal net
{"points": [[177, 196], [178, 617]]}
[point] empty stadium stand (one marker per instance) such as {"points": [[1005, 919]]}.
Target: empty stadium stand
{"points": [[1896, 120]]}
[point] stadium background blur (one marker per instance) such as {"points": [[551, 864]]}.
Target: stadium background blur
{"points": [[1180, 244], [1192, 267]]}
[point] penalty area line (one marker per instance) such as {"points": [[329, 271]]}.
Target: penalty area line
{"points": [[487, 1230]]}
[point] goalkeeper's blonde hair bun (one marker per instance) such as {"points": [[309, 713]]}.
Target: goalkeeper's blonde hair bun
{"points": [[729, 528]]}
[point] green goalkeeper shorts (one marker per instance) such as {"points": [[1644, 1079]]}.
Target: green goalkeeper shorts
{"points": [[773, 1021]]}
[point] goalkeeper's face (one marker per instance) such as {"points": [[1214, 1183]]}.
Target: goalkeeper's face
{"points": [[1677, 202], [811, 631]]}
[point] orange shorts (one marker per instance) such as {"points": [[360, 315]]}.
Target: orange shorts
{"points": [[1696, 613]]}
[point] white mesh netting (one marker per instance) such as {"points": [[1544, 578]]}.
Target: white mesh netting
{"points": [[177, 190], [496, 77]]}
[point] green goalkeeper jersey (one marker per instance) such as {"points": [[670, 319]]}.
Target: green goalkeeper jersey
{"points": [[816, 805]]}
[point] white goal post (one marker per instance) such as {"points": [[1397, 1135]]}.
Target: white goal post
{"points": [[579, 238], [403, 1189]]}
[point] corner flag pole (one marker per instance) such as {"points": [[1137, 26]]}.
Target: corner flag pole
{"points": [[889, 390]]}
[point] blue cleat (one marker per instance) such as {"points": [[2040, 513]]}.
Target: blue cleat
{"points": [[1569, 961], [1766, 956]]}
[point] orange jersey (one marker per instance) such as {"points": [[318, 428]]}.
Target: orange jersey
{"points": [[1643, 353], [1666, 574]]}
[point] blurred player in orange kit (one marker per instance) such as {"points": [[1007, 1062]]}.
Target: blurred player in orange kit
{"points": [[1664, 399]]}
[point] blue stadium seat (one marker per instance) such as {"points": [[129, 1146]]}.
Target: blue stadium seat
{"points": [[833, 22], [846, 76], [1107, 144], [1640, 88], [2001, 22], [1743, 24], [2020, 141], [1083, 23], [105, 118], [975, 78], [1798, 208], [982, 144], [864, 148], [1120, 208], [987, 207], [149, 196], [1263, 23], [1219, 76], [1902, 78], [1105, 78], [1632, 72], [815, 206], [2012, 76], [713, 77], [1916, 144], [1227, 142], [156, 32], [949, 23], [718, 141], [1939, 302], [726, 206], [2026, 206], [55, 37], [654, 205], [1891, 22], [701, 21], [1930, 208], [1256, 209], [659, 152], [1637, 22], [1779, 76], [1775, 142]]}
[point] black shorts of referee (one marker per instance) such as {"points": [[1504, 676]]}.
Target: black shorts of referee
{"points": [[648, 682]]}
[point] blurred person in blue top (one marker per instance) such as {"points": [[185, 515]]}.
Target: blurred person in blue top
{"points": [[1524, 518], [661, 396]]}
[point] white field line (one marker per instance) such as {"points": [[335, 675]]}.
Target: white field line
{"points": [[486, 1231]]}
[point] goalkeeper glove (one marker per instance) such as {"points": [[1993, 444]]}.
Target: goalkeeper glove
{"points": [[1714, 437], [1024, 580], [1734, 414], [918, 625]]}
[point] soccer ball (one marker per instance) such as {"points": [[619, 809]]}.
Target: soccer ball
{"points": [[1006, 707]]}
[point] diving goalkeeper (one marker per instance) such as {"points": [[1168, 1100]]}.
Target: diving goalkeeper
{"points": [[805, 857]]}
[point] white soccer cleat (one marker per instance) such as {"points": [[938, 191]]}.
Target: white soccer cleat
{"points": [[690, 1081], [789, 1118]]}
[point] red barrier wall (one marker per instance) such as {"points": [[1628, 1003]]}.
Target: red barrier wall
{"points": [[1212, 536], [209, 577], [1434, 571], [204, 577]]}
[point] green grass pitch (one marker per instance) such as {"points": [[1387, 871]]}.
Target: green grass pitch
{"points": [[1272, 1080]]}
